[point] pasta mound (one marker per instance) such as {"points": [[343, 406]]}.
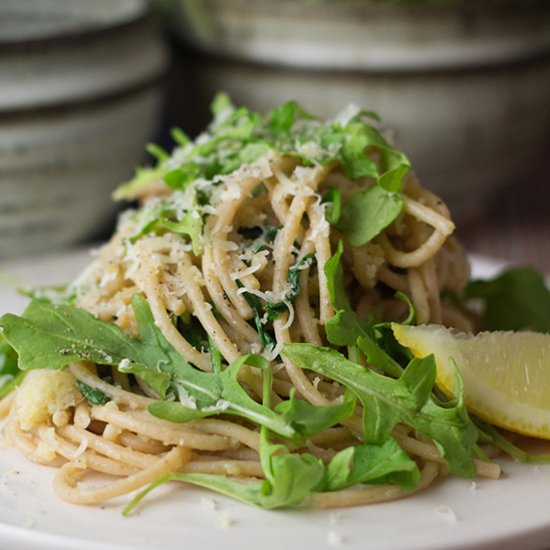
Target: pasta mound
{"points": [[235, 264]]}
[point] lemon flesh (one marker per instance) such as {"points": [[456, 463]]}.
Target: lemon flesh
{"points": [[506, 375]]}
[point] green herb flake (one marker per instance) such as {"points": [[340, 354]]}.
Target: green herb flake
{"points": [[10, 374], [518, 299], [94, 395]]}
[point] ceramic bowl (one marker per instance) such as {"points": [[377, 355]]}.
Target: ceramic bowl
{"points": [[465, 86], [80, 92]]}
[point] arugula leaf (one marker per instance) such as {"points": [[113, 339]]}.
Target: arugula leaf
{"points": [[215, 356], [344, 327], [291, 478], [50, 336], [143, 179], [311, 419], [10, 374], [518, 299], [294, 288], [208, 394], [368, 213], [162, 215], [494, 436], [221, 104], [266, 339], [160, 154], [294, 419], [387, 402], [238, 136], [180, 137], [282, 119], [375, 464], [180, 178], [334, 198], [190, 224], [53, 335], [8, 358], [377, 356], [94, 395]]}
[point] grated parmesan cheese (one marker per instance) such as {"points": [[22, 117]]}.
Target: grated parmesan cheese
{"points": [[447, 514], [334, 539], [209, 503], [344, 117], [185, 399], [226, 520]]}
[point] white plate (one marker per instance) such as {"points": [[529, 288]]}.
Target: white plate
{"points": [[510, 513]]}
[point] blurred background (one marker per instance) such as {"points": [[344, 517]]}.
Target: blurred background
{"points": [[463, 85]]}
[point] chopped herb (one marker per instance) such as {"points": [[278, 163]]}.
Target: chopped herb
{"points": [[10, 374], [160, 215], [518, 299], [192, 330], [266, 339], [333, 198], [273, 309], [94, 395]]}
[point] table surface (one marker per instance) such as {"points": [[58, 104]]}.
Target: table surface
{"points": [[513, 225]]}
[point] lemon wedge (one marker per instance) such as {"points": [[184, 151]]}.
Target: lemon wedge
{"points": [[506, 375]]}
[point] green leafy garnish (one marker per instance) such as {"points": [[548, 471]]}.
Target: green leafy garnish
{"points": [[290, 478], [293, 282], [266, 339], [311, 419], [494, 436], [10, 374], [50, 336], [238, 136], [163, 215], [518, 299], [344, 328], [94, 395], [369, 212], [376, 464], [333, 198], [408, 400]]}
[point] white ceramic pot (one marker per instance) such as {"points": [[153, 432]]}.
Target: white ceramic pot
{"points": [[464, 86], [80, 92]]}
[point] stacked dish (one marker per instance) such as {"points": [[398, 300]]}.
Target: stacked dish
{"points": [[79, 97]]}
